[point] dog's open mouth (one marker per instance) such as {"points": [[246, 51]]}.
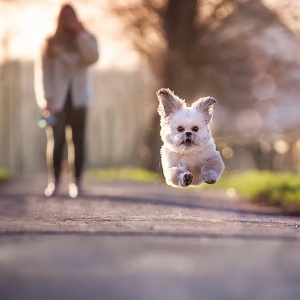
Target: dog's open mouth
{"points": [[188, 142]]}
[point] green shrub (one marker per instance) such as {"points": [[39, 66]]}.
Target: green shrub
{"points": [[125, 174], [281, 189], [3, 175]]}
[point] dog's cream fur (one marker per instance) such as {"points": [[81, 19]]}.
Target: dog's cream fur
{"points": [[189, 155]]}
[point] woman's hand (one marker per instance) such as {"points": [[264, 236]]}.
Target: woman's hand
{"points": [[50, 106], [76, 27], [73, 25]]}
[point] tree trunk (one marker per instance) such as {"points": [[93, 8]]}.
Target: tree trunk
{"points": [[180, 29], [180, 33], [154, 144]]}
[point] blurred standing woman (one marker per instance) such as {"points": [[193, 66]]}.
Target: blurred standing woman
{"points": [[63, 93]]}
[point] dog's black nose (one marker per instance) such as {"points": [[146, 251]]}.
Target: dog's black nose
{"points": [[188, 134]]}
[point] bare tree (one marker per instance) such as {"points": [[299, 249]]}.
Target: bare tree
{"points": [[168, 34], [183, 44]]}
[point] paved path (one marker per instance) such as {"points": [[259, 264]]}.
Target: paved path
{"points": [[144, 241]]}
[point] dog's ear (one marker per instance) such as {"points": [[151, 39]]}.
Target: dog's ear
{"points": [[168, 103], [205, 105]]}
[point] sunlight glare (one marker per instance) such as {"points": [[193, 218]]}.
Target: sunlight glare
{"points": [[24, 26]]}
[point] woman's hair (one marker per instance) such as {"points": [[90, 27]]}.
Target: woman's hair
{"points": [[61, 39]]}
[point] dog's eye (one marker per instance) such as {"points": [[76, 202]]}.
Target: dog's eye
{"points": [[180, 128], [195, 128]]}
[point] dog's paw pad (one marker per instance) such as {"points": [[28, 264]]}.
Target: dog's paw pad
{"points": [[187, 178], [211, 181]]}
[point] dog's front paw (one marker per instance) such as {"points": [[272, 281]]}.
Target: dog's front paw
{"points": [[185, 179], [210, 176]]}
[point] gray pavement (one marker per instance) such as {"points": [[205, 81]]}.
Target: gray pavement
{"points": [[144, 241]]}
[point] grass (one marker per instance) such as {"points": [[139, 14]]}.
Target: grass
{"points": [[3, 175], [279, 189], [124, 174]]}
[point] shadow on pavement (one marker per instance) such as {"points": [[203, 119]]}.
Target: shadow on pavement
{"points": [[172, 203], [156, 234], [15, 204]]}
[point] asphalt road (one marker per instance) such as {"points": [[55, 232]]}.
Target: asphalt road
{"points": [[144, 241]]}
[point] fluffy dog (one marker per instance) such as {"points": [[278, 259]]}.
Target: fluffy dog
{"points": [[189, 155]]}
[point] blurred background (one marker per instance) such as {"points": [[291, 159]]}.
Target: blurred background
{"points": [[243, 53]]}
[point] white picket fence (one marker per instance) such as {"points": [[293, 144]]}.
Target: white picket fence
{"points": [[123, 107]]}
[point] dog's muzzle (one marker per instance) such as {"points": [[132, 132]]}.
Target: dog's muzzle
{"points": [[188, 138]]}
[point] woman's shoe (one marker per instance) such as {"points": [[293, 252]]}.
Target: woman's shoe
{"points": [[51, 190], [75, 190]]}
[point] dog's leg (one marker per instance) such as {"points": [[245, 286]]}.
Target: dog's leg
{"points": [[212, 169], [178, 176]]}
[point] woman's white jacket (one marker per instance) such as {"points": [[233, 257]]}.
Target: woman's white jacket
{"points": [[67, 70]]}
